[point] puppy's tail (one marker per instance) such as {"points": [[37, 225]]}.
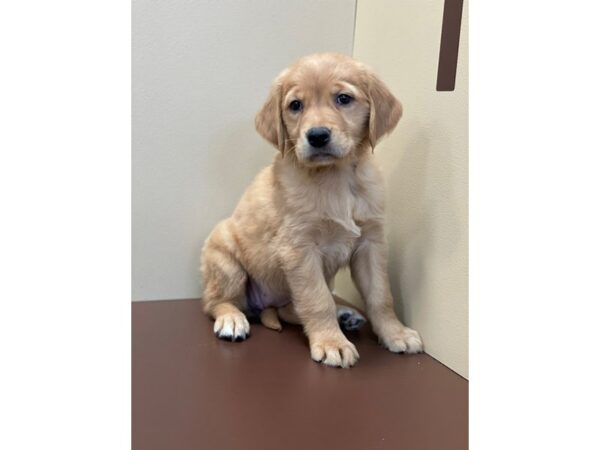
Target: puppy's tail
{"points": [[269, 318]]}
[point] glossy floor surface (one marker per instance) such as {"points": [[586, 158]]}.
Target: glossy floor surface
{"points": [[193, 391]]}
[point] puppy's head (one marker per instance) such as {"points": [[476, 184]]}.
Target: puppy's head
{"points": [[326, 107]]}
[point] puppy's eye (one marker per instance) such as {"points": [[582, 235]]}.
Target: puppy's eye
{"points": [[295, 105], [344, 99]]}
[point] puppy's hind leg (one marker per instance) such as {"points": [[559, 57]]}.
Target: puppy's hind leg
{"points": [[224, 286], [349, 316]]}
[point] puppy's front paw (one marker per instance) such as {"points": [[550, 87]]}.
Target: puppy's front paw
{"points": [[232, 326], [402, 339], [334, 351]]}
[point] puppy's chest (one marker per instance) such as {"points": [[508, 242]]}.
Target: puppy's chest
{"points": [[335, 242], [337, 227], [331, 214]]}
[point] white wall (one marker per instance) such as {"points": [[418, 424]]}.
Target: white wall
{"points": [[425, 162], [201, 70]]}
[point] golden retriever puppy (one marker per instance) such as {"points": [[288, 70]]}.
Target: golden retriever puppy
{"points": [[317, 208]]}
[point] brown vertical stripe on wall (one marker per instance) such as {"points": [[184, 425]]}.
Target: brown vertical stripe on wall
{"points": [[449, 45]]}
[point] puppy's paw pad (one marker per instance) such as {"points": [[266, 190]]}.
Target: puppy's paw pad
{"points": [[334, 352], [232, 327], [349, 318], [405, 341]]}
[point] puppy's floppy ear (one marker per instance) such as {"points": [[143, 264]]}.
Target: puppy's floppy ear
{"points": [[269, 121], [385, 110]]}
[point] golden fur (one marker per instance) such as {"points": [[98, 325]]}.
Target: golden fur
{"points": [[304, 217]]}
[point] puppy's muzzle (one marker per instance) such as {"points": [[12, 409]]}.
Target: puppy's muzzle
{"points": [[319, 138]]}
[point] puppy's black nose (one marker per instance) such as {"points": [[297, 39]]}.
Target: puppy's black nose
{"points": [[318, 137]]}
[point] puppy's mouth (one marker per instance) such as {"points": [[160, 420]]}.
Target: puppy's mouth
{"points": [[326, 154], [322, 155]]}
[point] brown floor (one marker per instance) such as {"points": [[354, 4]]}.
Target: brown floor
{"points": [[193, 391]]}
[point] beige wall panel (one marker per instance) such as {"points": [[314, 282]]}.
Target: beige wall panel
{"points": [[425, 162]]}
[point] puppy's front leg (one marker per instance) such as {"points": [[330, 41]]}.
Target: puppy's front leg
{"points": [[316, 309], [369, 272]]}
